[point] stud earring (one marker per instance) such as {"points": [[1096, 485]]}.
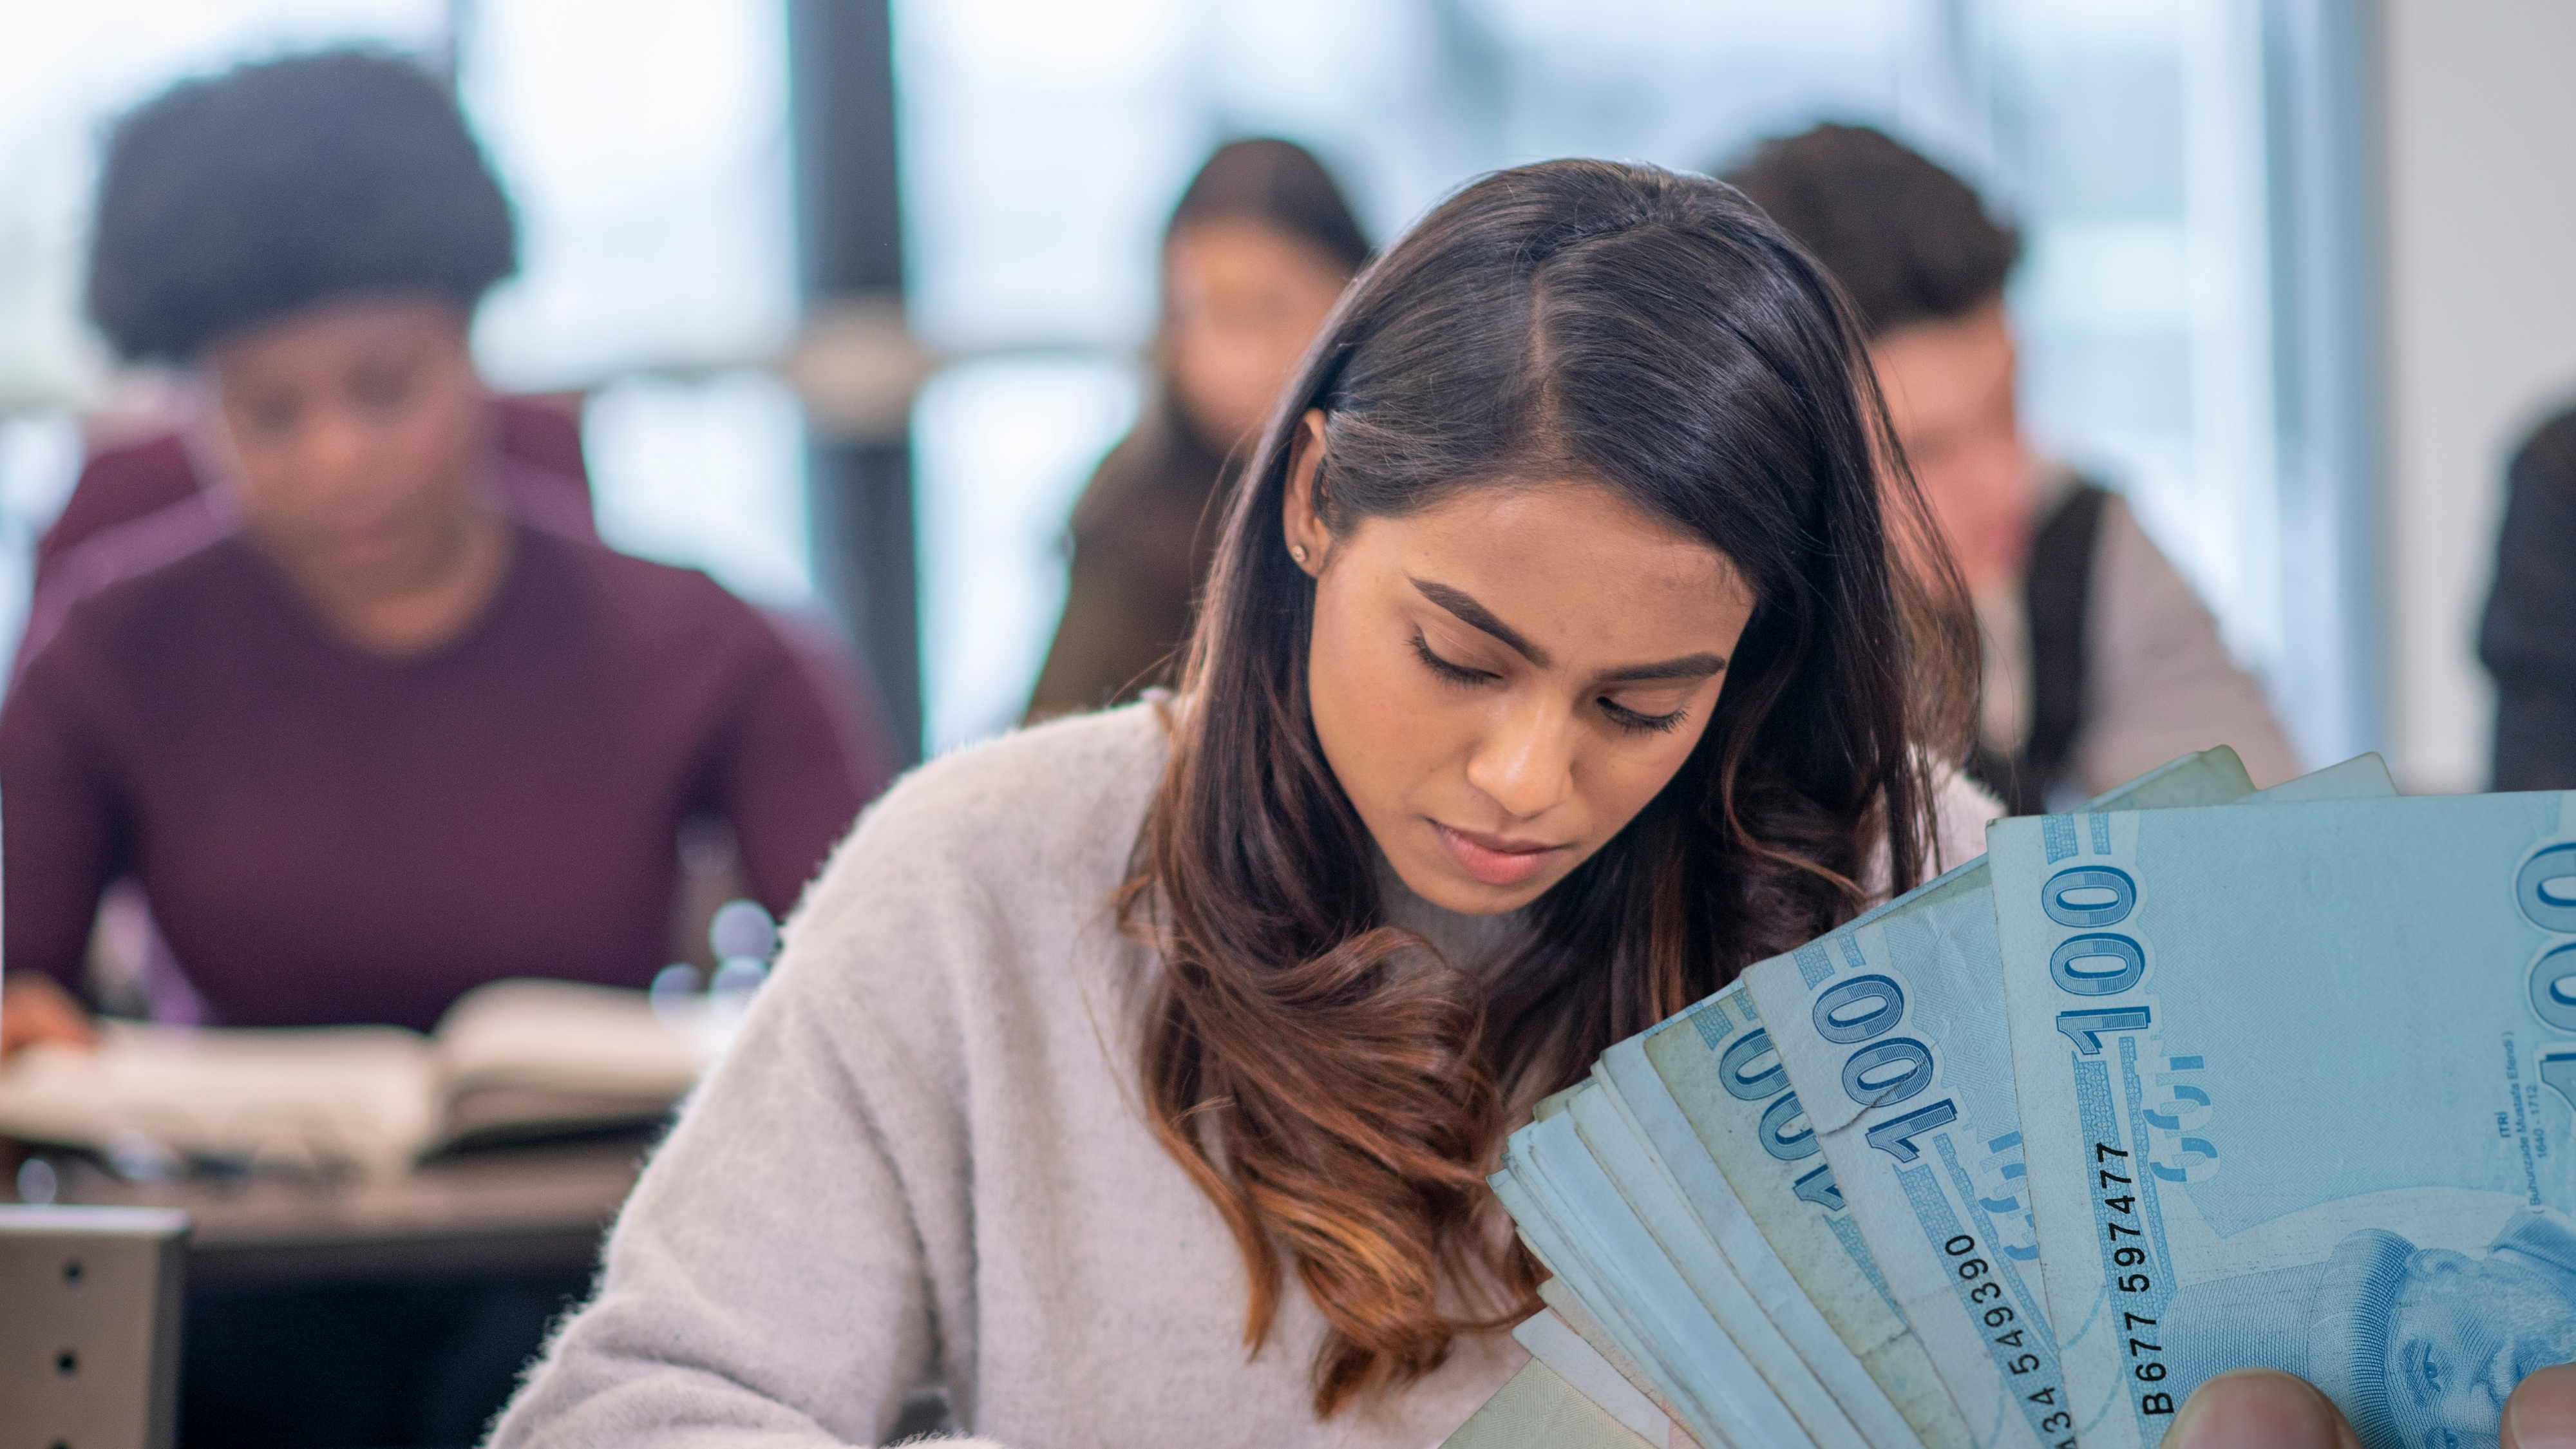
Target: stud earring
{"points": [[1297, 551]]}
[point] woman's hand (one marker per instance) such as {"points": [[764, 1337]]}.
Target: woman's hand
{"points": [[34, 1009], [2268, 1409]]}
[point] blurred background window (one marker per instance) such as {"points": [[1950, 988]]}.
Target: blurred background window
{"points": [[2128, 138], [647, 144]]}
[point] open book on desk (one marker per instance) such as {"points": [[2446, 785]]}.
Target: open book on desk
{"points": [[511, 1060]]}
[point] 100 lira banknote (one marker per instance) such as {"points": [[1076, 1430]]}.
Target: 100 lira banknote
{"points": [[1725, 1075], [2297, 1088], [1571, 1214], [1892, 1029], [1891, 1032], [1718, 1062], [1647, 1099]]}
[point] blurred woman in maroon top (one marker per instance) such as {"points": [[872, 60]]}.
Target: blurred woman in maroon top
{"points": [[374, 733]]}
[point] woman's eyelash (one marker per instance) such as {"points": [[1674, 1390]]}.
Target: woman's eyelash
{"points": [[1629, 719], [1454, 673], [1620, 715]]}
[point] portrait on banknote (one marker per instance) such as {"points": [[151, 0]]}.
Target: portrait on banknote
{"points": [[2299, 1084], [2420, 1343]]}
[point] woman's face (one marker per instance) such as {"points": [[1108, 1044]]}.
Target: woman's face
{"points": [[1241, 299], [1501, 682], [354, 427]]}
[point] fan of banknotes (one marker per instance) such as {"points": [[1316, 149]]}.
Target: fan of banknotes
{"points": [[2151, 1091]]}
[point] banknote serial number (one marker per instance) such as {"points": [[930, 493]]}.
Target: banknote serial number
{"points": [[2006, 1331], [2128, 1265]]}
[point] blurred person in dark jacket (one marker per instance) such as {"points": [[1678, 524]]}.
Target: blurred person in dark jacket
{"points": [[368, 728], [2529, 639], [1254, 257], [2100, 662]]}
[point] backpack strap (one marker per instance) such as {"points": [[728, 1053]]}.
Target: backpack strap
{"points": [[2056, 590]]}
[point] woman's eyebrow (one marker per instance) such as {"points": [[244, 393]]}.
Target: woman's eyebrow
{"points": [[1476, 616], [1689, 666]]}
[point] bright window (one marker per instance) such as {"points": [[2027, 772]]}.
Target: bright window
{"points": [[1044, 144], [645, 146]]}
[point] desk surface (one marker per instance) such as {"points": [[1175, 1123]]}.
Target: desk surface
{"points": [[499, 1210]]}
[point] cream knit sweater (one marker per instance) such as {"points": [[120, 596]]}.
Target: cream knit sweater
{"points": [[924, 1162]]}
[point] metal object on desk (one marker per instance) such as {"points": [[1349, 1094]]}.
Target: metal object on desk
{"points": [[540, 1207], [476, 1250], [89, 1344]]}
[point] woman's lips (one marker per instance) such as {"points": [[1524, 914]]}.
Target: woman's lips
{"points": [[1491, 858]]}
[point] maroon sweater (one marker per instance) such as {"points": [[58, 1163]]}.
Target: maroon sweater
{"points": [[329, 837]]}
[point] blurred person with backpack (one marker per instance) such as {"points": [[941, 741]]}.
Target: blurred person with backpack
{"points": [[2100, 662]]}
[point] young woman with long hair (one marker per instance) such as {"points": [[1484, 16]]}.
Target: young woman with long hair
{"points": [[1574, 641], [1257, 252]]}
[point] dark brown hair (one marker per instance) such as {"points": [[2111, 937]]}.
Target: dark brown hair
{"points": [[1333, 1085], [1908, 241], [1279, 183]]}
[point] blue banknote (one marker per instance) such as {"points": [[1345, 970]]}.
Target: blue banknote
{"points": [[1890, 1037], [1609, 1132], [1515, 1185], [2297, 1087], [1647, 1100], [1571, 1214], [1719, 1065], [1536, 1214], [1892, 1033]]}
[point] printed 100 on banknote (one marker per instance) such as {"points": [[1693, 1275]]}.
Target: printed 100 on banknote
{"points": [[2297, 1087]]}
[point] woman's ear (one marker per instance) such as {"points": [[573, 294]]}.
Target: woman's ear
{"points": [[1306, 535]]}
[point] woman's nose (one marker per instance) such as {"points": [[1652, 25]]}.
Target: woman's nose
{"points": [[1526, 762]]}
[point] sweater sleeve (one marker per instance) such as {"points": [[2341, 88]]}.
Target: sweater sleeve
{"points": [[2529, 638], [2159, 682], [58, 815], [795, 1258], [785, 776]]}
